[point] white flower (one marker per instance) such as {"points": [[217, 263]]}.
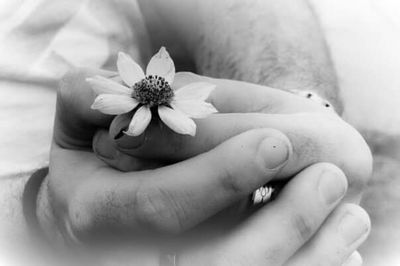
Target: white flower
{"points": [[150, 92]]}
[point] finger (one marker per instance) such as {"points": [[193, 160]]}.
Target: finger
{"points": [[344, 231], [104, 148], [76, 122], [161, 142], [232, 96], [355, 259], [229, 97], [177, 197], [280, 228], [315, 138]]}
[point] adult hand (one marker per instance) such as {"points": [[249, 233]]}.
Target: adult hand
{"points": [[317, 134], [90, 199], [88, 196], [303, 226]]}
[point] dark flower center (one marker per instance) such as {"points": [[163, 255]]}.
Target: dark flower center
{"points": [[153, 91]]}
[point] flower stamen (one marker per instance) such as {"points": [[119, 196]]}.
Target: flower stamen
{"points": [[152, 91]]}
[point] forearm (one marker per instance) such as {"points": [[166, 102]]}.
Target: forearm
{"points": [[275, 43]]}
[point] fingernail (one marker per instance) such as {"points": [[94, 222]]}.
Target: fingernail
{"points": [[120, 124], [352, 228], [274, 151], [332, 186]]}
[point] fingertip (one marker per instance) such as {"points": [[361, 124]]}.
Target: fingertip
{"points": [[358, 211], [183, 78], [122, 55], [188, 75], [354, 225], [332, 183], [355, 259]]}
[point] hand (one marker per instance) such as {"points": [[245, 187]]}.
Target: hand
{"points": [[316, 132], [88, 197], [305, 225]]}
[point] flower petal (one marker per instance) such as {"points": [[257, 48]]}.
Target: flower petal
{"points": [[194, 109], [162, 65], [177, 121], [195, 91], [113, 104], [129, 70], [102, 85], [140, 120]]}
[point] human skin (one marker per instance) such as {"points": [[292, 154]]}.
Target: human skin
{"points": [[351, 165], [278, 44], [90, 199], [273, 43]]}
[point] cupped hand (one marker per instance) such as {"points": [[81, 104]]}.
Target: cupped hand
{"points": [[305, 225], [316, 132], [90, 199]]}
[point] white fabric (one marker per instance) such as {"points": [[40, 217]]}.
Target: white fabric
{"points": [[364, 40], [39, 41], [42, 39]]}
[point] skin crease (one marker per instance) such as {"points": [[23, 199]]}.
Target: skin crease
{"points": [[231, 65]]}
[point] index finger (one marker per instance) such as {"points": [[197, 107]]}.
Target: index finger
{"points": [[229, 96], [233, 96]]}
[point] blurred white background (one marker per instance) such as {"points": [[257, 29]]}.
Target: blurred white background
{"points": [[42, 39]]}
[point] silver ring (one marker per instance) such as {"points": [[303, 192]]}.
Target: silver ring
{"points": [[262, 195]]}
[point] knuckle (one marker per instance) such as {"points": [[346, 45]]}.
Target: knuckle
{"points": [[303, 226], [71, 80], [341, 144], [157, 210], [229, 182], [70, 89], [240, 170], [240, 163]]}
